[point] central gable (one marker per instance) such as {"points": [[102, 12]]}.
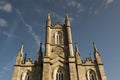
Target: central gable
{"points": [[57, 25]]}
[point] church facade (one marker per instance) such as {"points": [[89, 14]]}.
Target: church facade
{"points": [[60, 62]]}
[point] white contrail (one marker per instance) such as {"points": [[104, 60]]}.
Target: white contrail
{"points": [[30, 30]]}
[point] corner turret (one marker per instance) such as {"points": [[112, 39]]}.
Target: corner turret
{"points": [[68, 28], [48, 33]]}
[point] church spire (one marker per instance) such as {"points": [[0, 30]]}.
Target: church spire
{"points": [[67, 21], [20, 55], [48, 21], [40, 54]]}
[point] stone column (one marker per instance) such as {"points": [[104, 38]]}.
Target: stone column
{"points": [[72, 69]]}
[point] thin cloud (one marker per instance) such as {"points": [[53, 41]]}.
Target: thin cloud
{"points": [[77, 5], [5, 6], [82, 7], [71, 19], [61, 18], [3, 22], [30, 30], [7, 34], [57, 16], [74, 3], [104, 4], [96, 12], [108, 1]]}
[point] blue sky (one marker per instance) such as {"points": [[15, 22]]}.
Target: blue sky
{"points": [[23, 21]]}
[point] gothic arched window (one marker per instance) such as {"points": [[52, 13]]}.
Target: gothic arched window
{"points": [[25, 76], [59, 75], [58, 38], [91, 75]]}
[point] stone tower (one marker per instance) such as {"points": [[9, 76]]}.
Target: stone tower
{"points": [[60, 62]]}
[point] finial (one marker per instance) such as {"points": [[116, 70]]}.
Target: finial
{"points": [[25, 57], [66, 16], [48, 15], [40, 50], [76, 47], [48, 21], [90, 55], [67, 21], [41, 45], [94, 46], [21, 49], [39, 54]]}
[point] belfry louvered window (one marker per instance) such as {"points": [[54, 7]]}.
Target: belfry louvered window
{"points": [[59, 75]]}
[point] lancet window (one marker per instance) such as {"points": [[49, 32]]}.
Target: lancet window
{"points": [[25, 76], [58, 38], [59, 75], [91, 75]]}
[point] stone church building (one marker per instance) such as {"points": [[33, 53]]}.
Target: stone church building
{"points": [[60, 61]]}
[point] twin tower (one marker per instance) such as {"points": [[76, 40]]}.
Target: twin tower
{"points": [[60, 62]]}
